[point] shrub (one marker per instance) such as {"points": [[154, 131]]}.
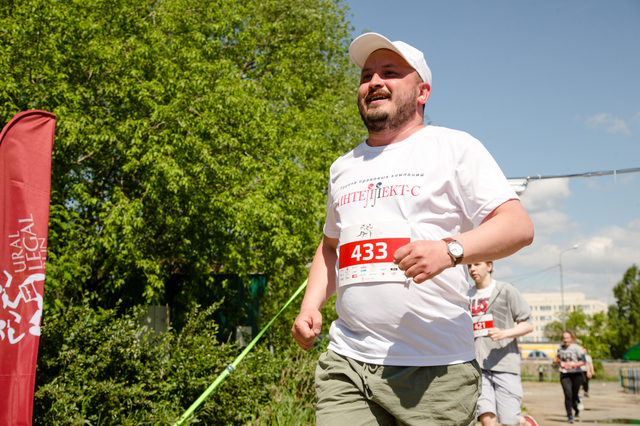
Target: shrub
{"points": [[96, 367]]}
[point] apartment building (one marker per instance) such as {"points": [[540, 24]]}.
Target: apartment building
{"points": [[546, 307]]}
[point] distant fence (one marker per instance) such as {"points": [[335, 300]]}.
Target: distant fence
{"points": [[630, 379], [608, 370]]}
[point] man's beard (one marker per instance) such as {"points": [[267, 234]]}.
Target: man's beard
{"points": [[378, 120]]}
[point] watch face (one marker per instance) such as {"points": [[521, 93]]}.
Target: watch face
{"points": [[455, 249]]}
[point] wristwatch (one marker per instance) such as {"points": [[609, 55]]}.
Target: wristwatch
{"points": [[455, 250]]}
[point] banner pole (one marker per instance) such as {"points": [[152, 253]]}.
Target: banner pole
{"points": [[230, 368]]}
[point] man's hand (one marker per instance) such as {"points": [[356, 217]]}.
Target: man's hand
{"points": [[497, 334], [423, 260], [306, 327]]}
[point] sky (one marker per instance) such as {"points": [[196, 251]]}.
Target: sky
{"points": [[550, 88]]}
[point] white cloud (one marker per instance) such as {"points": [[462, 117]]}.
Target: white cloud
{"points": [[613, 246], [609, 122], [549, 222], [594, 268], [545, 194], [599, 246], [503, 270], [607, 182], [610, 247]]}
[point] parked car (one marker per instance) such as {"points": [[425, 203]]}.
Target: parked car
{"points": [[537, 354]]}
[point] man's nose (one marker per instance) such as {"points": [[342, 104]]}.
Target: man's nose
{"points": [[376, 80]]}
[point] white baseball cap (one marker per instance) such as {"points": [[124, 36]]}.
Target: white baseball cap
{"points": [[367, 43]]}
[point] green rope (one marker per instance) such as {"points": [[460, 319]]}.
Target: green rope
{"points": [[235, 363]]}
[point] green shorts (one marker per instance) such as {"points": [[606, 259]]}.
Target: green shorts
{"points": [[354, 393]]}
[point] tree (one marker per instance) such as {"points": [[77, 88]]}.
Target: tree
{"points": [[591, 330], [575, 320], [624, 316], [96, 367], [597, 340], [609, 335], [193, 137]]}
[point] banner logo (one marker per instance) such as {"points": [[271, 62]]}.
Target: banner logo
{"points": [[12, 326]]}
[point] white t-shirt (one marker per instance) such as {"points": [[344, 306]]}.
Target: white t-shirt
{"points": [[479, 299], [443, 182]]}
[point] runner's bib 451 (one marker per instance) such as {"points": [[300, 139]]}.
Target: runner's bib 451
{"points": [[482, 324], [366, 252]]}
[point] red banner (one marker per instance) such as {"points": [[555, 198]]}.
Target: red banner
{"points": [[25, 186]]}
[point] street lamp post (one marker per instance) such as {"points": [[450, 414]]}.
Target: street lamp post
{"points": [[564, 327]]}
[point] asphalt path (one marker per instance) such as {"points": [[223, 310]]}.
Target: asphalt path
{"points": [[607, 404]]}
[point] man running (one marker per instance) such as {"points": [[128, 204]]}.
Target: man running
{"points": [[401, 350]]}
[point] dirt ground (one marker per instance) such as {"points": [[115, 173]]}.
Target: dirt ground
{"points": [[607, 404]]}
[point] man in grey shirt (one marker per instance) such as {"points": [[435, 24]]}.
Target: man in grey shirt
{"points": [[500, 315]]}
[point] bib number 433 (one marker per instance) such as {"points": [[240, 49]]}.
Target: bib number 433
{"points": [[370, 251], [367, 251]]}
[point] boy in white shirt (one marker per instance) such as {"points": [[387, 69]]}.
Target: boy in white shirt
{"points": [[500, 315]]}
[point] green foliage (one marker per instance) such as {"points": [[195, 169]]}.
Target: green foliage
{"points": [[576, 320], [597, 339], [193, 137], [598, 369], [591, 331], [612, 334], [624, 316], [98, 368], [286, 383], [193, 140]]}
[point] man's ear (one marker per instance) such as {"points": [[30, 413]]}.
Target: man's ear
{"points": [[424, 90]]}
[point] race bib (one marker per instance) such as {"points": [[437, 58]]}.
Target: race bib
{"points": [[482, 324], [366, 252]]}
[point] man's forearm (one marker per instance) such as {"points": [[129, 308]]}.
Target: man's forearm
{"points": [[503, 232], [320, 287], [322, 279]]}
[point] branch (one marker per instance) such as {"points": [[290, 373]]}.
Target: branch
{"points": [[84, 158]]}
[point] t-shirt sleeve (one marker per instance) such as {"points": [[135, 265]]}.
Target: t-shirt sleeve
{"points": [[481, 185], [330, 228], [520, 309]]}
